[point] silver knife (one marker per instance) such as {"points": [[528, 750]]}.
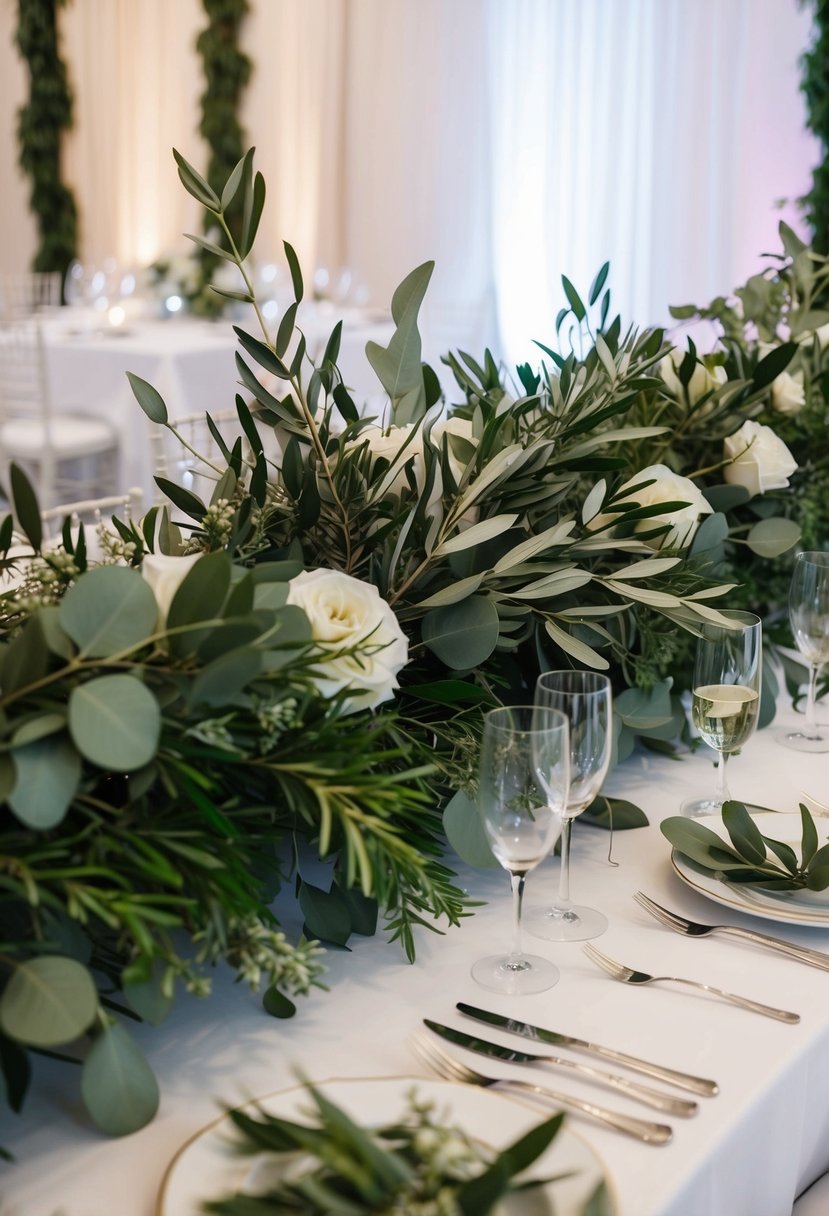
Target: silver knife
{"points": [[639, 1093], [683, 1080]]}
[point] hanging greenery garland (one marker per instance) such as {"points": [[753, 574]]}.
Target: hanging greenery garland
{"points": [[815, 87], [41, 123], [227, 71]]}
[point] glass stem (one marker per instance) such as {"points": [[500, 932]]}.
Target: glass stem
{"points": [[563, 900], [517, 880], [811, 701], [723, 793]]}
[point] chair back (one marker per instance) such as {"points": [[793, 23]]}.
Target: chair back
{"points": [[24, 383], [92, 510], [28, 293], [188, 461]]}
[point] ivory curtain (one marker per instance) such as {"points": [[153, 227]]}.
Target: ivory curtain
{"points": [[511, 140]]}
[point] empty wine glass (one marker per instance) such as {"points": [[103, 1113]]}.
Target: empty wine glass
{"points": [[809, 618], [522, 793], [585, 698], [726, 695]]}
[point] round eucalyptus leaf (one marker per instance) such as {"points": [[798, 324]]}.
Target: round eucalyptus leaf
{"points": [[462, 635], [117, 1084], [47, 1001], [109, 610], [146, 996], [115, 722], [38, 728], [47, 774], [771, 537], [465, 832]]}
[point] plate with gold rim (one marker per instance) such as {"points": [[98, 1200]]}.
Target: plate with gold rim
{"points": [[807, 909], [207, 1168]]}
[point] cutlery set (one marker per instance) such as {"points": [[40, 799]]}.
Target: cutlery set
{"points": [[447, 1066]]}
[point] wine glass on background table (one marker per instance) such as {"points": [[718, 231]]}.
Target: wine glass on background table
{"points": [[585, 699], [725, 699], [522, 794], [809, 619]]}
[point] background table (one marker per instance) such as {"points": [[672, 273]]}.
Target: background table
{"points": [[748, 1152], [190, 362]]}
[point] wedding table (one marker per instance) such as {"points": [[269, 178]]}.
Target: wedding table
{"points": [[189, 361], [748, 1152]]}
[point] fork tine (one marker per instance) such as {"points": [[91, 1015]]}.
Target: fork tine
{"points": [[659, 913], [601, 960], [440, 1062]]}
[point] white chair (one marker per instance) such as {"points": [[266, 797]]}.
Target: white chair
{"points": [[179, 463], [91, 511], [23, 295], [66, 456]]}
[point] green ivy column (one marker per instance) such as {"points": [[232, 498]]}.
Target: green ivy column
{"points": [[40, 126], [815, 87], [226, 71]]}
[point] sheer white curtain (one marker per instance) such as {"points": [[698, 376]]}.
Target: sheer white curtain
{"points": [[510, 140], [658, 134]]}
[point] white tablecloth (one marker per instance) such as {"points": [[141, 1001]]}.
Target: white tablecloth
{"points": [[190, 362], [748, 1152]]}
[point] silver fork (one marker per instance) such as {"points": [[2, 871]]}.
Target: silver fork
{"points": [[450, 1069], [692, 928], [628, 976]]}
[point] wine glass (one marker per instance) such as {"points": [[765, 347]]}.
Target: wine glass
{"points": [[522, 793], [809, 618], [585, 698], [726, 695]]}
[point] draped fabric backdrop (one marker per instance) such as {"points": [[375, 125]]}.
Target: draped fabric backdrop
{"points": [[511, 140]]}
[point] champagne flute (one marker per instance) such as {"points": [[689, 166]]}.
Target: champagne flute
{"points": [[809, 618], [726, 695], [585, 698], [522, 793]]}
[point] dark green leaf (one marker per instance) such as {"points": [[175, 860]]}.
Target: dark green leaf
{"points": [[14, 1064], [277, 1004], [775, 362], [195, 184], [149, 398], [296, 273], [809, 841], [598, 283], [326, 914], [26, 506], [286, 330], [745, 835], [187, 502], [254, 204], [573, 299]]}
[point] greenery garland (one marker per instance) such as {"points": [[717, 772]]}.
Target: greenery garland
{"points": [[227, 71], [40, 124], [815, 88]]}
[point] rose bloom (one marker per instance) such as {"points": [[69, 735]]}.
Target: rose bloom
{"points": [[703, 380], [387, 443], [787, 393], [363, 645], [666, 486], [758, 459], [165, 574]]}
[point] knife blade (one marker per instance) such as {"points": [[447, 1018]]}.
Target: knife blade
{"points": [[632, 1089], [683, 1080]]}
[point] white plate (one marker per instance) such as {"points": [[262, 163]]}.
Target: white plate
{"points": [[807, 908], [206, 1168]]}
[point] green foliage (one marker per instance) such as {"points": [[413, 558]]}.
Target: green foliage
{"points": [[413, 1165], [752, 857], [41, 123], [815, 88], [227, 71]]}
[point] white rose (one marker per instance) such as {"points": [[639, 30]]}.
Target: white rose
{"points": [[787, 393], [462, 427], [165, 574], [363, 644], [666, 486], [759, 459], [386, 443], [704, 379]]}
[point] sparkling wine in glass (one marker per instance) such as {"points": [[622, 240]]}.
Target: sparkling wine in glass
{"points": [[522, 794], [725, 698], [809, 619], [585, 699]]}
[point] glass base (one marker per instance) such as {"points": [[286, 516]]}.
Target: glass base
{"points": [[515, 976], [576, 924], [709, 805], [806, 740]]}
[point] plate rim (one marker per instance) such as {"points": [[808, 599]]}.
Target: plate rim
{"points": [[774, 912], [609, 1181]]}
